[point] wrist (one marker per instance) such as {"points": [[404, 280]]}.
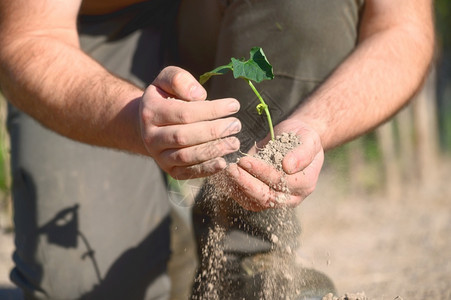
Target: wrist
{"points": [[314, 123], [127, 129]]}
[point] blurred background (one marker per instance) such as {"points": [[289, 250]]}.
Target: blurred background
{"points": [[380, 219]]}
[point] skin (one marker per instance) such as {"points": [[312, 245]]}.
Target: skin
{"points": [[91, 105]]}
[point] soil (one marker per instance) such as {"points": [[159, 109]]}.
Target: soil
{"points": [[369, 245], [387, 248]]}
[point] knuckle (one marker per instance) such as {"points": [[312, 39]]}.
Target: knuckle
{"points": [[212, 150], [179, 77], [214, 132], [182, 156], [184, 116], [214, 111], [178, 138], [164, 74], [147, 114]]}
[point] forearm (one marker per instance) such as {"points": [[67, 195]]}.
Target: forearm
{"points": [[371, 85], [66, 91]]}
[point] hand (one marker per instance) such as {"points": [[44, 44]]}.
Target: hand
{"points": [[186, 135], [257, 184]]}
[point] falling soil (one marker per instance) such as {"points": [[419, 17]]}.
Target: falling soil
{"points": [[364, 240], [275, 270], [273, 274]]}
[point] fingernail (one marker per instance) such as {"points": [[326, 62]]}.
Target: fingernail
{"points": [[245, 164], [220, 164], [234, 106], [235, 127], [197, 92], [291, 164], [233, 170]]}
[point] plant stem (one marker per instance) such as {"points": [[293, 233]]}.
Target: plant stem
{"points": [[265, 107]]}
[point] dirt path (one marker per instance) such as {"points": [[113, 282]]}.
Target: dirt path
{"points": [[6, 248], [388, 249]]}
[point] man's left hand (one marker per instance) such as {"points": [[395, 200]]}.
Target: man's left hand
{"points": [[260, 186]]}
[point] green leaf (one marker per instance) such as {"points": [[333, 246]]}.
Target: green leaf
{"points": [[257, 68], [218, 71]]}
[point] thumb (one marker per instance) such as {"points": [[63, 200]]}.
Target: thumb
{"points": [[180, 84]]}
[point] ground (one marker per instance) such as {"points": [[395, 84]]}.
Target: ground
{"points": [[388, 249], [385, 248]]}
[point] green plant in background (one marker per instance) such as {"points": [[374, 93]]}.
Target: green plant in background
{"points": [[257, 68], [5, 184], [443, 20], [443, 66]]}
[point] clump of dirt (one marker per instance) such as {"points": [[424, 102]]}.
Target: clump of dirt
{"points": [[274, 152]]}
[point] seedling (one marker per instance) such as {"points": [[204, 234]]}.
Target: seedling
{"points": [[257, 69]]}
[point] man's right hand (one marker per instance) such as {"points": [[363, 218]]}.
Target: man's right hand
{"points": [[186, 135]]}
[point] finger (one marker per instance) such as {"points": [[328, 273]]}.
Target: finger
{"points": [[204, 169], [200, 153], [263, 171], [291, 189], [162, 112], [179, 136], [300, 157], [303, 183], [225, 185], [180, 84], [249, 191]]}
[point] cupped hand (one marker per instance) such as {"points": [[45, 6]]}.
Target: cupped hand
{"points": [[259, 186], [186, 135]]}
